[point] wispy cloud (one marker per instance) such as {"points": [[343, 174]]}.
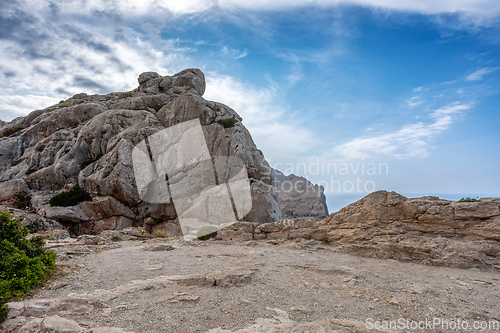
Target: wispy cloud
{"points": [[414, 101], [411, 141], [480, 73], [233, 53], [51, 57], [484, 8], [274, 129]]}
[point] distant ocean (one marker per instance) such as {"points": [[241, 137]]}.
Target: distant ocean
{"points": [[337, 201]]}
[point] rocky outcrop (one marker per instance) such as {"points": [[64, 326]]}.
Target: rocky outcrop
{"points": [[9, 188], [299, 197], [427, 229], [89, 139], [288, 229], [387, 225]]}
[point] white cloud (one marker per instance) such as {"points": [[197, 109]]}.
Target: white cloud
{"points": [[19, 105], [272, 127], [485, 7], [411, 141], [134, 7], [57, 59], [233, 53], [480, 73], [414, 101]]}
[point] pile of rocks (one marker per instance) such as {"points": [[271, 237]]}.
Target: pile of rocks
{"points": [[36, 224], [288, 229]]}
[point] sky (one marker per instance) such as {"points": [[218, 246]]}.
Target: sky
{"points": [[356, 95]]}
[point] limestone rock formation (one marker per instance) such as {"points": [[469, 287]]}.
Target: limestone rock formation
{"points": [[427, 229], [387, 225], [88, 140], [299, 197]]}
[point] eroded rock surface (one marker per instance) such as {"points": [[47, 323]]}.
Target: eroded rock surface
{"points": [[428, 230], [299, 197], [172, 285], [88, 140]]}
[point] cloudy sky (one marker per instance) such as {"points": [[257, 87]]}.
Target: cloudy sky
{"points": [[358, 95]]}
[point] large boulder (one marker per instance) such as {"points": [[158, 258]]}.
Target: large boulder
{"points": [[88, 140], [190, 80]]}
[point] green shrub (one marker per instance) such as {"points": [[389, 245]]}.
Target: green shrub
{"points": [[89, 161], [11, 130], [24, 263], [145, 109], [56, 108], [158, 107], [227, 123], [21, 199], [468, 199], [30, 171], [70, 198]]}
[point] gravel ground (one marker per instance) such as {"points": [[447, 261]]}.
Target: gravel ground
{"points": [[286, 287]]}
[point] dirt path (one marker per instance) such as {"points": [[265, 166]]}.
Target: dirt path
{"points": [[175, 286]]}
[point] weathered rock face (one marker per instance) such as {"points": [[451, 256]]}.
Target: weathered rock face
{"points": [[428, 229], [299, 197], [88, 140], [302, 228]]}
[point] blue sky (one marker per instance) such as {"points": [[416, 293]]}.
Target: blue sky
{"points": [[406, 90]]}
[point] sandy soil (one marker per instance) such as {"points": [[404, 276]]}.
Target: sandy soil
{"points": [[282, 287]]}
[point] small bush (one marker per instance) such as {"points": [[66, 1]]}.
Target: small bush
{"points": [[24, 263], [30, 171], [56, 108], [11, 130], [468, 199], [227, 123], [162, 233], [21, 199], [70, 198], [89, 161], [158, 107]]}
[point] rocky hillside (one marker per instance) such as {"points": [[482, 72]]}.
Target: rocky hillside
{"points": [[427, 230], [299, 197], [88, 141]]}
